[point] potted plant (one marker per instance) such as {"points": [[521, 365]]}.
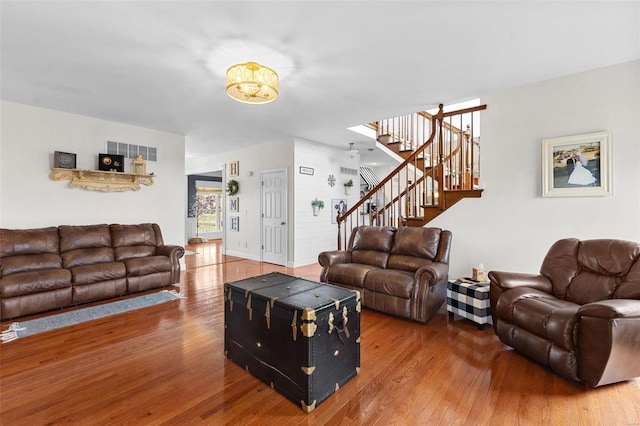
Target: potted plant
{"points": [[347, 187], [317, 205]]}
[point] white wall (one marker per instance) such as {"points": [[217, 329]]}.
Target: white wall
{"points": [[512, 226], [29, 199], [314, 234], [246, 242], [307, 234]]}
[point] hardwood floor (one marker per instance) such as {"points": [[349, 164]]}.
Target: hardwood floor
{"points": [[165, 365]]}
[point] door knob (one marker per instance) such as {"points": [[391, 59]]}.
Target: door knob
{"points": [[282, 223]]}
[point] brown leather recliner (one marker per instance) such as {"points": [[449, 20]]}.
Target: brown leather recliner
{"points": [[580, 316], [401, 271]]}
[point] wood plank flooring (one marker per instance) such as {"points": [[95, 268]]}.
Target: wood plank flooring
{"points": [[164, 365]]}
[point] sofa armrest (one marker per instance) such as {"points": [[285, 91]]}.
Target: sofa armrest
{"points": [[332, 257], [609, 341], [174, 253], [429, 291], [433, 274], [328, 258]]}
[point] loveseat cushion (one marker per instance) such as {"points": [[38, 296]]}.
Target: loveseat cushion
{"points": [[350, 274], [147, 265], [98, 272], [417, 242], [415, 247], [390, 281], [371, 245], [29, 282]]}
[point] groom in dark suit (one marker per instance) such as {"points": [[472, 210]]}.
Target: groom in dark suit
{"points": [[570, 165]]}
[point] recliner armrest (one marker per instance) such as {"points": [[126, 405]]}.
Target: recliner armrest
{"points": [[507, 280], [333, 257], [502, 281], [611, 308], [609, 341]]}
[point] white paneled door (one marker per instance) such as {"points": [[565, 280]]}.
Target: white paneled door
{"points": [[274, 216]]}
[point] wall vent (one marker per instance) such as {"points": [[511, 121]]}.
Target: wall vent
{"points": [[132, 151], [348, 171]]}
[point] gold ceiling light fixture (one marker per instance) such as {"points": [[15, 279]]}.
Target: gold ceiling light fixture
{"points": [[252, 83]]}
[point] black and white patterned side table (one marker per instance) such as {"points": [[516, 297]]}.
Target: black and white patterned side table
{"points": [[470, 301]]}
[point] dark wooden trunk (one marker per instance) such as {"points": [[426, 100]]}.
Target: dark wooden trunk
{"points": [[300, 337]]}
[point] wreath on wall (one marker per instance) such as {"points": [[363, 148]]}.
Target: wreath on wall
{"points": [[232, 187]]}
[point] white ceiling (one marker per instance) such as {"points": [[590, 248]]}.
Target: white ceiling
{"points": [[161, 64]]}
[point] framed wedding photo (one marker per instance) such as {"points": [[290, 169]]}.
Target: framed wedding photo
{"points": [[577, 166]]}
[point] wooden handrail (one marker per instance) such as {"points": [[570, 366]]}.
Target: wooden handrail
{"points": [[445, 162]]}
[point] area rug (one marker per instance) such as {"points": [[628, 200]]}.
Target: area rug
{"points": [[28, 328]]}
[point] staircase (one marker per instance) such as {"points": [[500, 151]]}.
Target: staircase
{"points": [[441, 167]]}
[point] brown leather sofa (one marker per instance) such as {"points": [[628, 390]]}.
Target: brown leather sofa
{"points": [[580, 316], [401, 271], [49, 268]]}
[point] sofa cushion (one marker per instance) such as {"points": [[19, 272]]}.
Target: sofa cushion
{"points": [[14, 242], [34, 282], [79, 237], [390, 281], [29, 262], [85, 245], [351, 274], [147, 265], [99, 290], [88, 256], [98, 272], [130, 241]]}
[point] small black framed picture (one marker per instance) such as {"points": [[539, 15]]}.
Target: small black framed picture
{"points": [[111, 162], [64, 160]]}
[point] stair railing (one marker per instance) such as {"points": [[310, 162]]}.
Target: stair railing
{"points": [[446, 160]]}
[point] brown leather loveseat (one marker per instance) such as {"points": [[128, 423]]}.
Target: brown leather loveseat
{"points": [[580, 316], [401, 271], [49, 268]]}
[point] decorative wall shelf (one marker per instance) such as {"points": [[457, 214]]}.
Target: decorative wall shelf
{"points": [[97, 180]]}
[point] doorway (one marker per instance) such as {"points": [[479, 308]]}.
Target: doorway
{"points": [[274, 217], [204, 208]]}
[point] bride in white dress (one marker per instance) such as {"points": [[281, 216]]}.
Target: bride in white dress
{"points": [[580, 175]]}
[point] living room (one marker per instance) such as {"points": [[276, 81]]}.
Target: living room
{"points": [[510, 228]]}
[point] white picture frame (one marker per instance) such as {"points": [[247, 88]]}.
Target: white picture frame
{"points": [[563, 171]]}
